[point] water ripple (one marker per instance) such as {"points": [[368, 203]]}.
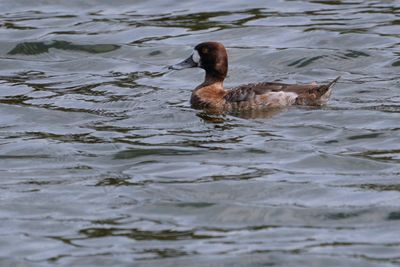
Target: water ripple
{"points": [[105, 163]]}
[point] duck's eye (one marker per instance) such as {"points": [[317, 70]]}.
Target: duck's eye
{"points": [[196, 57]]}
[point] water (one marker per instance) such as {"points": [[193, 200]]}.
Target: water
{"points": [[104, 163]]}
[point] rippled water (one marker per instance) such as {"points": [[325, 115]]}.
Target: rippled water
{"points": [[104, 163]]}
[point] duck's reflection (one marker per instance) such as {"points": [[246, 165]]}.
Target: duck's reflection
{"points": [[215, 116]]}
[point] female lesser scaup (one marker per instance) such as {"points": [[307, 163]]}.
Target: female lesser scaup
{"points": [[211, 94]]}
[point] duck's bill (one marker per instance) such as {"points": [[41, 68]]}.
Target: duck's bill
{"points": [[187, 63]]}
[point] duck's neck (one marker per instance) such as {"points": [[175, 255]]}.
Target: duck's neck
{"points": [[216, 81]]}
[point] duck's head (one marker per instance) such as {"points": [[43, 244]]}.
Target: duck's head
{"points": [[210, 56]]}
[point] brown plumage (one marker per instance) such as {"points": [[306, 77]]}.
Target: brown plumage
{"points": [[211, 94]]}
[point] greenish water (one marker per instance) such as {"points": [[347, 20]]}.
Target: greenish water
{"points": [[104, 163]]}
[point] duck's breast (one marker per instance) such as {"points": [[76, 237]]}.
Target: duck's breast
{"points": [[211, 96]]}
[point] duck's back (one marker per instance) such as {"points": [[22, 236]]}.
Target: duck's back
{"points": [[275, 95]]}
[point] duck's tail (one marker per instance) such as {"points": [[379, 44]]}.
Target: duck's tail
{"points": [[325, 90], [332, 83]]}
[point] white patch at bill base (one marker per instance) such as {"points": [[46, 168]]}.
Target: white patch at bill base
{"points": [[196, 57]]}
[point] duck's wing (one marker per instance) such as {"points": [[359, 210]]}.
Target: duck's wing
{"points": [[303, 94], [270, 95], [248, 91]]}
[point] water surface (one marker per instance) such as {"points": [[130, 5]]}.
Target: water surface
{"points": [[104, 163]]}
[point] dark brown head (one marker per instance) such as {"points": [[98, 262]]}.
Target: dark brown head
{"points": [[210, 56]]}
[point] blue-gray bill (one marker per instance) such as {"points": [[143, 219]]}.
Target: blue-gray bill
{"points": [[187, 63]]}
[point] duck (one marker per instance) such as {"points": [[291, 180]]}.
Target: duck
{"points": [[212, 95]]}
